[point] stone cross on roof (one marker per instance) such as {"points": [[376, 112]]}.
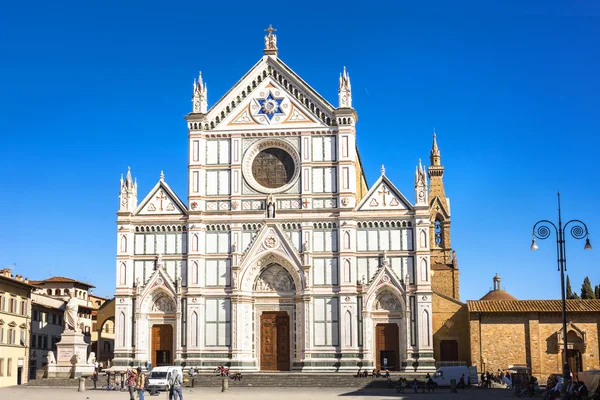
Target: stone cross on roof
{"points": [[270, 41]]}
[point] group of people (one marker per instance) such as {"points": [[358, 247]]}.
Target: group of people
{"points": [[575, 390], [487, 378], [136, 383]]}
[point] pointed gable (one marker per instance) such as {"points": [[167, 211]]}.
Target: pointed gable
{"points": [[270, 95], [384, 196], [271, 238], [159, 279], [161, 200]]}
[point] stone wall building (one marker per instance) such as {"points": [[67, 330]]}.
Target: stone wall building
{"points": [[15, 309], [505, 331], [46, 327]]}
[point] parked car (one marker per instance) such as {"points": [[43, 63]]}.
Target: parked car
{"points": [[443, 375], [160, 377]]}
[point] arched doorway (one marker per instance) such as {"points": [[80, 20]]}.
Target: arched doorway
{"points": [[161, 317], [273, 284], [387, 324]]}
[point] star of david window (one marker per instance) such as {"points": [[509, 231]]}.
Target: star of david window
{"points": [[273, 168], [270, 106]]}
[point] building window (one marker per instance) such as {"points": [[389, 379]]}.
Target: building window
{"points": [[438, 233], [32, 341], [1, 335], [3, 308], [13, 306], [218, 322], [1, 366], [325, 240], [217, 242], [326, 332], [24, 308], [217, 152], [216, 273], [40, 339], [324, 180], [45, 346], [325, 271], [9, 367], [22, 337], [36, 316]]}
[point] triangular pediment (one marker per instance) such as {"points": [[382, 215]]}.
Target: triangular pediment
{"points": [[270, 95], [161, 200], [12, 324], [385, 280], [271, 239], [438, 207], [383, 195], [159, 279]]}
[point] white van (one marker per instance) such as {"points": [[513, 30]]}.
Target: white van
{"points": [[160, 377], [443, 375]]}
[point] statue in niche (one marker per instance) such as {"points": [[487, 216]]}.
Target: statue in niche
{"points": [[270, 207]]}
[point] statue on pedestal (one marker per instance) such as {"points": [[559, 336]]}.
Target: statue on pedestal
{"points": [[70, 317]]}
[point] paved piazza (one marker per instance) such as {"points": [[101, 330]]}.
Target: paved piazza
{"points": [[23, 393]]}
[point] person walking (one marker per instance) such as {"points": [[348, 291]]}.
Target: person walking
{"points": [[177, 385], [95, 377], [131, 375], [140, 383]]}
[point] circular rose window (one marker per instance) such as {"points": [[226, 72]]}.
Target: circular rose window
{"points": [[271, 166]]}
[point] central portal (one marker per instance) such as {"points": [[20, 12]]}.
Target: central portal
{"points": [[162, 345], [274, 341], [387, 347]]}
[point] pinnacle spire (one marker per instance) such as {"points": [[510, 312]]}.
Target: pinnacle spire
{"points": [[382, 169], [200, 95], [435, 157], [162, 176], [344, 90]]}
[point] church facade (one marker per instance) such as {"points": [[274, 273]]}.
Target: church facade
{"points": [[282, 258]]}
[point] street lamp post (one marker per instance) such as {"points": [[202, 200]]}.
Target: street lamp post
{"points": [[579, 230]]}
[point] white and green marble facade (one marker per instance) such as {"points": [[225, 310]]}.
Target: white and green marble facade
{"points": [[335, 262]]}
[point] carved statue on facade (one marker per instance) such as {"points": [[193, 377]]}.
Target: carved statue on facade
{"points": [[159, 263], [275, 279], [70, 317], [92, 358], [50, 358], [270, 207], [387, 302], [270, 39], [163, 304]]}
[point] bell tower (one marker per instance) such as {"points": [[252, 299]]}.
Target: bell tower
{"points": [[443, 258]]}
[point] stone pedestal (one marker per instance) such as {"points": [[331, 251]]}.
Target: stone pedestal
{"points": [[71, 357]]}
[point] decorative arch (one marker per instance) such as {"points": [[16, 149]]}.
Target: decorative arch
{"points": [[348, 328], [274, 278], [254, 267], [387, 301], [122, 329], [123, 243], [347, 271], [425, 334], [158, 300], [423, 239], [386, 289], [195, 273], [194, 333], [123, 274], [423, 268], [195, 242], [347, 240]]}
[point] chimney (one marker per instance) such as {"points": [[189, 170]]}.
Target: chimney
{"points": [[26, 280], [5, 272]]}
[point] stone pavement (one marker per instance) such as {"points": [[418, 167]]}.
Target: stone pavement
{"points": [[39, 393]]}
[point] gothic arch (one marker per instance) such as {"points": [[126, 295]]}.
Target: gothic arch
{"points": [[123, 274], [251, 269], [423, 268], [274, 278], [347, 271], [348, 328], [194, 330], [195, 273], [425, 328], [123, 244], [147, 305], [122, 329], [373, 301], [347, 240]]}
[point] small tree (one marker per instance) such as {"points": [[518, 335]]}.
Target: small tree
{"points": [[587, 292], [569, 290], [597, 291]]}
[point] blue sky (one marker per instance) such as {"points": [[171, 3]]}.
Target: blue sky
{"points": [[88, 88]]}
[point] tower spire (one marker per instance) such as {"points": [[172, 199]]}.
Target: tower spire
{"points": [[435, 157], [200, 96], [344, 90]]}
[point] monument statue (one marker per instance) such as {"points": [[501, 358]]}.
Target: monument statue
{"points": [[71, 314]]}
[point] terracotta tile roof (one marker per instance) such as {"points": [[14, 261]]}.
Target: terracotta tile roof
{"points": [[498, 295], [60, 279], [507, 306]]}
